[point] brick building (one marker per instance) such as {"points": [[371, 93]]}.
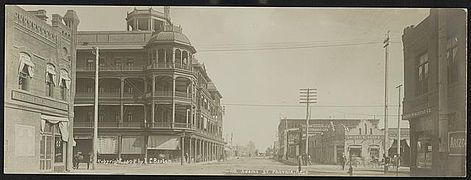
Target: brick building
{"points": [[156, 100], [435, 92], [291, 135], [39, 61]]}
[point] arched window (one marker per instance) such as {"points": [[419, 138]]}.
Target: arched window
{"points": [[50, 79], [366, 129], [185, 57], [371, 131], [25, 71], [161, 56], [169, 56], [178, 56], [64, 85]]}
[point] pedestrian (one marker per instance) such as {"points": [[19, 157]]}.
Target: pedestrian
{"points": [[79, 159], [350, 168], [186, 157], [309, 159], [386, 163], [343, 159], [89, 160], [299, 163], [74, 161]]}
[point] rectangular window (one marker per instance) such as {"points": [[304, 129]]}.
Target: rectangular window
{"points": [[422, 74], [452, 68], [424, 153], [51, 149], [90, 116], [49, 85], [90, 64], [63, 90], [23, 79], [130, 116], [101, 117], [130, 63]]}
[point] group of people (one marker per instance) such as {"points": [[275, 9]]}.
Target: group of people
{"points": [[79, 157]]}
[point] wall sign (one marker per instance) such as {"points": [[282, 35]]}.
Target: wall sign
{"points": [[25, 140], [417, 114], [457, 143], [25, 97]]}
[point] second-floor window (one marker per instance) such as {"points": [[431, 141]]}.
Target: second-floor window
{"points": [[63, 90], [25, 71], [64, 83], [90, 64], [130, 63], [452, 68], [50, 73], [129, 117], [422, 74]]}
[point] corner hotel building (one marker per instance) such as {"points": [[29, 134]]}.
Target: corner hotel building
{"points": [[156, 100]]}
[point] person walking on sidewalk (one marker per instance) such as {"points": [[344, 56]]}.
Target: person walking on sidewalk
{"points": [[300, 161], [343, 160], [89, 159]]}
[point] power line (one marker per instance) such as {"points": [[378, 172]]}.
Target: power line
{"points": [[289, 47], [292, 105]]}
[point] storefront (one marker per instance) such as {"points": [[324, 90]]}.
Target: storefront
{"points": [[163, 149], [54, 136]]}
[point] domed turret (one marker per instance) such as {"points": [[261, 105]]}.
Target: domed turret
{"points": [[147, 20]]}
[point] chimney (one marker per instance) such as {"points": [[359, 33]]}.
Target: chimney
{"points": [[41, 14], [167, 13]]}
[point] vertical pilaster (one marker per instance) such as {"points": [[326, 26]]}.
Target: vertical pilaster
{"points": [[121, 103], [189, 150], [182, 149], [173, 101], [120, 146], [152, 100]]}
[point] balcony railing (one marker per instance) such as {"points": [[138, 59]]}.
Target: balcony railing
{"points": [[182, 125], [163, 93], [109, 124], [169, 66], [159, 124], [111, 68], [182, 94]]}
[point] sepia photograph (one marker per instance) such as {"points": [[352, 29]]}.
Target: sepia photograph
{"points": [[235, 91]]}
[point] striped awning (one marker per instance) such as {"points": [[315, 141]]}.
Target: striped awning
{"points": [[63, 124], [164, 142]]}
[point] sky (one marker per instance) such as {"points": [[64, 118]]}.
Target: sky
{"points": [[259, 58]]}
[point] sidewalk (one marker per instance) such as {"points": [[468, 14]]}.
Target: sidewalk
{"points": [[120, 169]]}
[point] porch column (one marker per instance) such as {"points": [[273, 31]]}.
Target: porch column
{"points": [[182, 149], [173, 102], [173, 55], [195, 150], [153, 103], [189, 150], [120, 146], [121, 103], [165, 57]]}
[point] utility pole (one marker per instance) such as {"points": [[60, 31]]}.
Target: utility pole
{"points": [[307, 96], [399, 127], [95, 124], [385, 46]]}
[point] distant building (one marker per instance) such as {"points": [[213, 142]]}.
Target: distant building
{"points": [[435, 92], [291, 134], [37, 99], [156, 101]]}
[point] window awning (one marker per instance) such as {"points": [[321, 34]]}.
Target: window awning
{"points": [[65, 76], [164, 142], [25, 59], [51, 70], [63, 124]]}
